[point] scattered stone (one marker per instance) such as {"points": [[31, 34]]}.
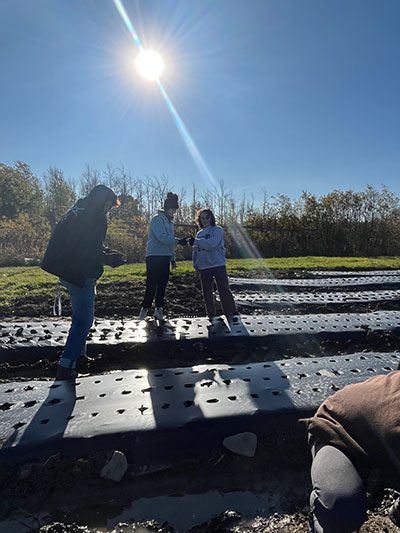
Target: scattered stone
{"points": [[6, 508], [52, 461], [150, 469], [25, 471], [223, 523], [59, 527], [82, 468], [198, 347], [242, 443], [115, 469], [152, 525]]}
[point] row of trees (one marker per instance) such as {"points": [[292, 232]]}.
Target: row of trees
{"points": [[339, 223]]}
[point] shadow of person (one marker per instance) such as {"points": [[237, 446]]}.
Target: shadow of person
{"points": [[225, 327], [156, 329], [39, 433], [195, 408], [174, 406]]}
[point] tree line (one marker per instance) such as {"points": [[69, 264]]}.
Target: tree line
{"points": [[340, 223]]}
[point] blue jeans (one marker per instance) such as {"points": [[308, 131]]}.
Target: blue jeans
{"points": [[82, 303]]}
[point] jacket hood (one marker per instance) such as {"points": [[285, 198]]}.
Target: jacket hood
{"points": [[98, 197], [163, 212]]}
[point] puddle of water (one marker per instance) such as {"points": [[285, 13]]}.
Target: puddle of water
{"points": [[20, 523], [183, 512], [280, 495], [186, 511]]}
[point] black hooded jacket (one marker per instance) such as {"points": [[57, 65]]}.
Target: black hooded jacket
{"points": [[75, 252]]}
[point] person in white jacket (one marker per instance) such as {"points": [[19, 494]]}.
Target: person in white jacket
{"points": [[209, 261]]}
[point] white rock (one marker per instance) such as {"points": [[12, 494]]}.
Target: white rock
{"points": [[242, 443], [116, 467]]}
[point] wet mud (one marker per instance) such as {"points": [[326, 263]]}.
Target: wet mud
{"points": [[67, 495]]}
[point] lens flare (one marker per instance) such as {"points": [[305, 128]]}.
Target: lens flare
{"points": [[152, 69], [124, 15], [149, 64]]}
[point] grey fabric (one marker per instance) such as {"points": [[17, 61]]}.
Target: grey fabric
{"points": [[338, 498]]}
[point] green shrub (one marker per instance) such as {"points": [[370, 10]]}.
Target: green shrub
{"points": [[23, 239]]}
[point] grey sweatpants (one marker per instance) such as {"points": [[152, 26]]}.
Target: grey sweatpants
{"points": [[338, 498]]}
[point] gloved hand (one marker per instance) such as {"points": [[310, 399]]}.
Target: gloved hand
{"points": [[191, 240], [113, 259], [183, 241]]}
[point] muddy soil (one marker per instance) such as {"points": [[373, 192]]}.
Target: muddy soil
{"points": [[183, 297], [72, 497], [69, 495], [116, 300], [173, 356]]}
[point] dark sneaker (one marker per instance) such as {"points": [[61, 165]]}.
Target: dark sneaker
{"points": [[64, 374]]}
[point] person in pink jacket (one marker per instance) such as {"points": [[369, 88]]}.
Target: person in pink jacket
{"points": [[209, 260]]}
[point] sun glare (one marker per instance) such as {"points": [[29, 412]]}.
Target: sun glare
{"points": [[149, 64]]}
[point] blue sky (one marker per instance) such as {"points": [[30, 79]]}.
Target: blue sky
{"points": [[280, 95]]}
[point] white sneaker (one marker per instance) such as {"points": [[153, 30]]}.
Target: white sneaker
{"points": [[158, 313], [143, 313]]}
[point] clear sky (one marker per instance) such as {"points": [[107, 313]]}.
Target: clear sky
{"points": [[281, 95]]}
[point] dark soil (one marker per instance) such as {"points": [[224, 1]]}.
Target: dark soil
{"points": [[183, 297], [75, 498], [72, 494]]}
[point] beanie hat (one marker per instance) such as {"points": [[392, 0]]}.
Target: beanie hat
{"points": [[171, 202]]}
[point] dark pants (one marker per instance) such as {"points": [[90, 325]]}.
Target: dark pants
{"points": [[220, 275], [338, 498], [157, 272]]}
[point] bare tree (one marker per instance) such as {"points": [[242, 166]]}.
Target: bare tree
{"points": [[223, 203], [109, 177], [89, 179], [124, 183], [58, 195], [195, 205], [149, 202], [160, 188]]}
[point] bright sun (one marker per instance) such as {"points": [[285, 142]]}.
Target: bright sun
{"points": [[149, 64]]}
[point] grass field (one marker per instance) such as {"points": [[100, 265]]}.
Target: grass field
{"points": [[15, 282]]}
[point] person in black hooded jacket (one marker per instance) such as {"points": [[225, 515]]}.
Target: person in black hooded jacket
{"points": [[76, 254]]}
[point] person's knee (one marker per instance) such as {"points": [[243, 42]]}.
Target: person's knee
{"points": [[338, 499], [84, 318], [344, 512]]}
